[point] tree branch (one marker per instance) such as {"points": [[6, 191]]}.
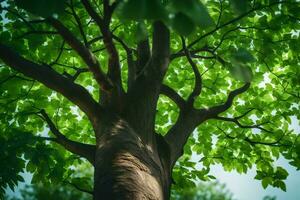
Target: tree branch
{"points": [[85, 150], [236, 121], [192, 52], [130, 62], [169, 92], [53, 80], [253, 143], [80, 27], [114, 69], [178, 135], [198, 79], [160, 48], [143, 54], [214, 111], [59, 54]]}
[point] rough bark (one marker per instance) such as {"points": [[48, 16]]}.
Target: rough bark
{"points": [[127, 168]]}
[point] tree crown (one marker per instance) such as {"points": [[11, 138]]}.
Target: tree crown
{"points": [[231, 66]]}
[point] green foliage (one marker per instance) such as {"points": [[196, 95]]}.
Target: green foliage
{"points": [[183, 24], [261, 47], [182, 16], [141, 9], [194, 10], [42, 8], [51, 192], [240, 6]]}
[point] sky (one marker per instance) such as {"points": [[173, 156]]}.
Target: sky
{"points": [[245, 187]]}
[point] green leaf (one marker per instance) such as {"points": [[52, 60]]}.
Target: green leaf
{"points": [[183, 25], [241, 72], [211, 177], [195, 10], [281, 173], [42, 8], [239, 6], [141, 9], [20, 178], [297, 148], [132, 9], [242, 56], [266, 181], [141, 32], [280, 184]]}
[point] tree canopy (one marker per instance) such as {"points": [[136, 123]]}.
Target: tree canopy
{"points": [[234, 64]]}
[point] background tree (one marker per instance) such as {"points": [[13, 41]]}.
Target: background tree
{"points": [[51, 192], [125, 84], [203, 191]]}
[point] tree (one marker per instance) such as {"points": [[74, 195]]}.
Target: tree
{"points": [[203, 191], [51, 192], [134, 87]]}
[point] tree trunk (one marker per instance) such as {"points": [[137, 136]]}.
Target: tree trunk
{"points": [[127, 168]]}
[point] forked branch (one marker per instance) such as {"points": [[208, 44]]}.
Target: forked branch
{"points": [[198, 79]]}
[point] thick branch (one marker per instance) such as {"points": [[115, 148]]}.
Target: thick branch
{"points": [[114, 70], [85, 150], [53, 80], [178, 135], [84, 52], [143, 54]]}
